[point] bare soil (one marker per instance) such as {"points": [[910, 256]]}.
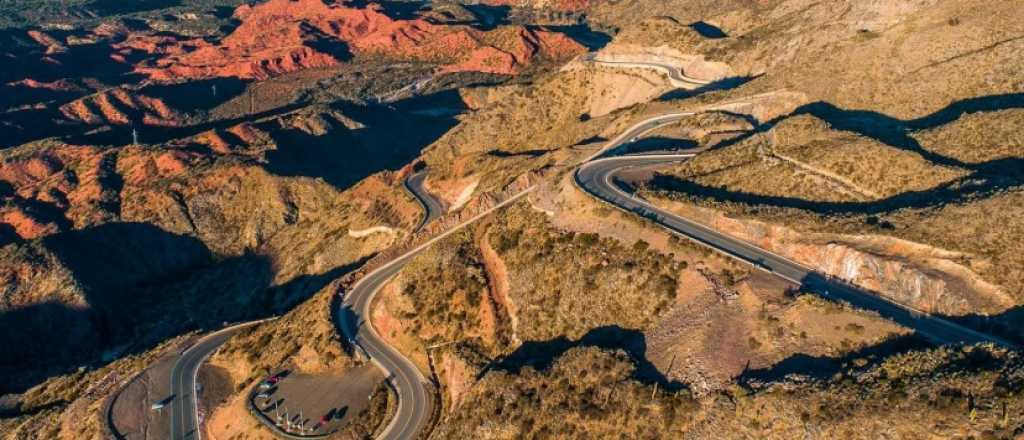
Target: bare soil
{"points": [[215, 389]]}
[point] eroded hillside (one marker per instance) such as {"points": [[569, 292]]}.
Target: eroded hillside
{"points": [[176, 167]]}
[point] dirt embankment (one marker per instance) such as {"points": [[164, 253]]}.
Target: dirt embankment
{"points": [[925, 278], [498, 285]]}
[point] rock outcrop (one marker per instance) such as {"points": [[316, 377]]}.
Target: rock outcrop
{"points": [[121, 106], [282, 36], [909, 273]]}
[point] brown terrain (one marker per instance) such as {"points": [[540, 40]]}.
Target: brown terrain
{"points": [[172, 167]]}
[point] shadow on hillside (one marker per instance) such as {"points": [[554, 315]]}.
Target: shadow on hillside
{"points": [[527, 153], [896, 132], [708, 30], [328, 44], [989, 179], [582, 33], [824, 367], [151, 134], [591, 140], [39, 337], [112, 264], [722, 84], [1006, 324], [78, 61], [448, 100], [348, 322], [396, 10], [344, 316], [141, 286], [540, 355], [984, 180], [43, 212], [196, 95], [340, 156], [281, 298], [12, 95], [30, 122], [660, 143], [489, 16]]}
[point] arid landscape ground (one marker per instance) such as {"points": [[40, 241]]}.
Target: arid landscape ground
{"points": [[350, 219]]}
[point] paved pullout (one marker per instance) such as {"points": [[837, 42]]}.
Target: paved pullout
{"points": [[184, 415], [596, 178], [184, 409]]}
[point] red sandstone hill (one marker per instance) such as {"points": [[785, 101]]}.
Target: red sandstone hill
{"points": [[56, 188], [120, 106], [281, 36], [67, 187]]}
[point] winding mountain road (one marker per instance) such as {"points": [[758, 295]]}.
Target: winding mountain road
{"points": [[414, 401], [414, 406], [184, 409], [432, 207], [596, 178], [676, 76]]}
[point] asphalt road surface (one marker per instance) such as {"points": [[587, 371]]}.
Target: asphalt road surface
{"points": [[675, 74], [414, 409], [596, 177], [414, 403], [184, 415], [432, 207]]}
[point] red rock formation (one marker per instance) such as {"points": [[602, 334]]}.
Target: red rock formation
{"points": [[519, 46], [61, 85], [213, 140], [120, 107], [281, 36], [53, 46], [241, 139], [140, 166], [73, 185], [26, 225]]}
